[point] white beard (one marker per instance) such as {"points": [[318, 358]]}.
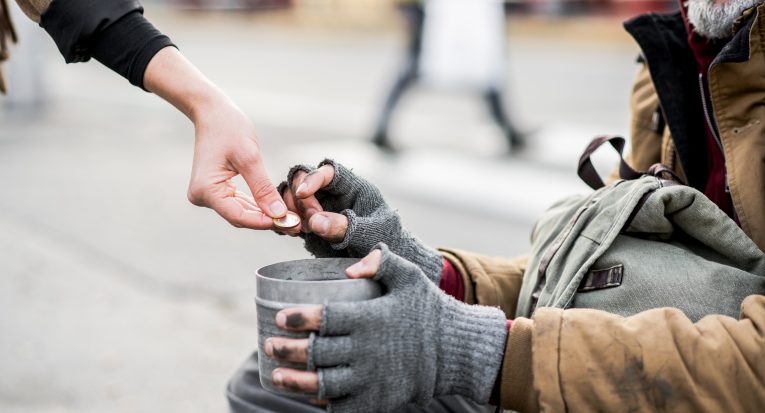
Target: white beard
{"points": [[715, 21]]}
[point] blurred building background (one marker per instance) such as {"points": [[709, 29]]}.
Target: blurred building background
{"points": [[117, 295]]}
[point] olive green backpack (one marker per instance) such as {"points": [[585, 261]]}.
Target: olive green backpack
{"points": [[644, 242]]}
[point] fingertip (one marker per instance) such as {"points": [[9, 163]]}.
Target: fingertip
{"points": [[328, 172], [277, 376], [268, 347], [372, 260], [278, 209], [366, 268], [312, 183], [355, 270], [281, 319], [301, 190], [319, 224]]}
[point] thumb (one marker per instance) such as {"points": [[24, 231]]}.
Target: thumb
{"points": [[263, 191], [394, 271], [329, 226]]}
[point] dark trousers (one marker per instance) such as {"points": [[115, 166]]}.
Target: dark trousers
{"points": [[246, 395]]}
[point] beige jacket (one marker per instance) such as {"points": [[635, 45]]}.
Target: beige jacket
{"points": [[588, 361]]}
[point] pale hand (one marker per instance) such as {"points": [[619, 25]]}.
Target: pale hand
{"points": [[225, 144]]}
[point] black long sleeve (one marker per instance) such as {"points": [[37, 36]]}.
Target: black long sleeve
{"points": [[114, 32]]}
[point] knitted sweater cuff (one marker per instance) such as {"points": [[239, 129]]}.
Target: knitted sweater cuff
{"points": [[472, 345]]}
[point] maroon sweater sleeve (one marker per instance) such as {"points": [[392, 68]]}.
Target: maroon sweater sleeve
{"points": [[451, 281]]}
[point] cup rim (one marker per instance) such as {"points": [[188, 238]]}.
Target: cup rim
{"points": [[265, 278]]}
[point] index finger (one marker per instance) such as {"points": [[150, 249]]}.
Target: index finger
{"points": [[300, 318], [307, 206], [263, 191], [315, 180], [239, 216]]}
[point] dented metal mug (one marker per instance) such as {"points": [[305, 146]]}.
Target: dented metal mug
{"points": [[300, 283]]}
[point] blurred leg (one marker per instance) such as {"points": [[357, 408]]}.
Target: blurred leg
{"points": [[499, 115], [415, 18], [404, 81]]}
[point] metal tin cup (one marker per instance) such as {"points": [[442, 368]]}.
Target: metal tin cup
{"points": [[299, 283]]}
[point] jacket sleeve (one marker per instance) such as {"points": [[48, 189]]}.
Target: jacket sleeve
{"points": [[113, 32], [491, 281], [658, 360]]}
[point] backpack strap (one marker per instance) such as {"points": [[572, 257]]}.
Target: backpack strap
{"points": [[669, 176], [590, 176]]}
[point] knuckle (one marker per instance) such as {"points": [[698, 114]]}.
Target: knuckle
{"points": [[261, 188], [195, 195], [248, 157]]}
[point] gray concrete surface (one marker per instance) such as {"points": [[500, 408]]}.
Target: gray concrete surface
{"points": [[117, 295]]}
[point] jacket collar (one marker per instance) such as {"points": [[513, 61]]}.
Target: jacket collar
{"points": [[737, 49], [663, 40]]}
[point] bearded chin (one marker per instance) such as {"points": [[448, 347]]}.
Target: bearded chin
{"points": [[715, 21]]}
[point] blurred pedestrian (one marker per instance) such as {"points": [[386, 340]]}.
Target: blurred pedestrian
{"points": [[460, 45]]}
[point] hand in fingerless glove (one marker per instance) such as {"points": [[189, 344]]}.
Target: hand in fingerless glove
{"points": [[410, 345], [370, 221]]}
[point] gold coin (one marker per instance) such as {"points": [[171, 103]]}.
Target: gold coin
{"points": [[290, 220]]}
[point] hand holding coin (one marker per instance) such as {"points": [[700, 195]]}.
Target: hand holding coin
{"points": [[301, 198], [288, 224]]}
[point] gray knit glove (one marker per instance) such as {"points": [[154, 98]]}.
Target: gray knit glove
{"points": [[410, 345], [370, 220]]}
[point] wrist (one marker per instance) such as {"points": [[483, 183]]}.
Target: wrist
{"points": [[430, 261], [472, 346], [173, 78], [207, 104]]}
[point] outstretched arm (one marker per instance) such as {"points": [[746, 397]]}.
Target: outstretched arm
{"points": [[115, 33]]}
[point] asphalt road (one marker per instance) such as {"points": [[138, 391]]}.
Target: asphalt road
{"points": [[118, 295]]}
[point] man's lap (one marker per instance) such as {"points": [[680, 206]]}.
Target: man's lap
{"points": [[246, 395]]}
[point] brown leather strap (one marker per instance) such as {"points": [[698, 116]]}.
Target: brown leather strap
{"points": [[663, 171], [587, 171]]}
